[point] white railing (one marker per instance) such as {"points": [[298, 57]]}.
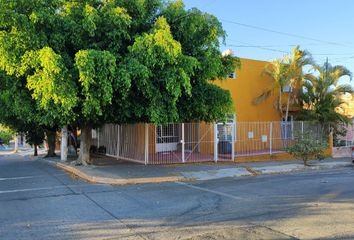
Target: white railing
{"points": [[260, 138], [198, 142]]}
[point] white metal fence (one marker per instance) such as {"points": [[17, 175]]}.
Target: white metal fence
{"points": [[198, 142], [259, 138]]}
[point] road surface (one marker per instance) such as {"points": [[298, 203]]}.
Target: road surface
{"points": [[38, 201]]}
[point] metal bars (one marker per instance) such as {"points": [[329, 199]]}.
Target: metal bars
{"points": [[199, 142]]}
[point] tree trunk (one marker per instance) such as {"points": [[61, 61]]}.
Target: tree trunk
{"points": [[305, 162], [85, 144], [287, 116], [51, 137], [280, 104], [287, 106], [64, 144], [16, 144], [35, 150]]}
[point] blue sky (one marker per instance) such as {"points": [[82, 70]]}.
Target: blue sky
{"points": [[323, 27]]}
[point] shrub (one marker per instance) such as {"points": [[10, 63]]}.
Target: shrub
{"points": [[306, 146], [6, 134]]}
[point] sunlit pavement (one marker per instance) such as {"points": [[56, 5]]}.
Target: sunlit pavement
{"points": [[38, 201]]}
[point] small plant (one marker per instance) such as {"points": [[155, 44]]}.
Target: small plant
{"points": [[307, 147]]}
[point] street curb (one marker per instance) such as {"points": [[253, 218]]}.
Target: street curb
{"points": [[252, 171], [118, 181]]}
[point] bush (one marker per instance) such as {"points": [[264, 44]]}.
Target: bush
{"points": [[6, 134], [306, 147]]}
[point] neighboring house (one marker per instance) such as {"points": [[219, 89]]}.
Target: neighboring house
{"points": [[253, 130], [344, 144], [347, 108]]}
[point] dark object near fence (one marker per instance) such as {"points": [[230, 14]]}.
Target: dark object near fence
{"points": [[93, 149], [224, 147], [102, 149]]}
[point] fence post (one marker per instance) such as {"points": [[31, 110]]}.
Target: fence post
{"points": [[98, 138], [118, 142], [270, 138], [233, 137], [146, 157], [16, 143], [64, 144], [216, 142], [182, 143], [302, 128]]}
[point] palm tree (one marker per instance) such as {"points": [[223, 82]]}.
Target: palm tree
{"points": [[322, 95], [296, 63], [278, 71], [287, 72]]}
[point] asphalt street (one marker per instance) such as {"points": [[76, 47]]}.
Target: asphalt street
{"points": [[38, 201]]}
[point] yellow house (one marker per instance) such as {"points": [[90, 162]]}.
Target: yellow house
{"points": [[245, 85], [256, 131], [260, 132]]}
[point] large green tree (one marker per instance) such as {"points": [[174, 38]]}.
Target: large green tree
{"points": [[88, 62], [18, 110], [200, 35]]}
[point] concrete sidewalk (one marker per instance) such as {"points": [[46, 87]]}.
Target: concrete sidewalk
{"points": [[124, 173], [23, 151]]}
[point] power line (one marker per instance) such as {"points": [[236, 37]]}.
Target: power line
{"points": [[282, 33], [243, 44], [264, 48], [332, 54], [249, 45], [341, 59]]}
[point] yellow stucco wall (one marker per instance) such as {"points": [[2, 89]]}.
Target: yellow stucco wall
{"points": [[206, 138], [249, 83]]}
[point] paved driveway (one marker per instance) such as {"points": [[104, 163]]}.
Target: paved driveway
{"points": [[38, 201]]}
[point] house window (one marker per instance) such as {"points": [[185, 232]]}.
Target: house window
{"points": [[232, 75], [167, 133]]}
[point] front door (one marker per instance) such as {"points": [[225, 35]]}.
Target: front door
{"points": [[167, 137]]}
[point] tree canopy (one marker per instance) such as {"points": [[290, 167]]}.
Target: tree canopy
{"points": [[88, 62], [322, 95]]}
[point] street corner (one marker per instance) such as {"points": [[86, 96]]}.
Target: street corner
{"points": [[88, 174]]}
